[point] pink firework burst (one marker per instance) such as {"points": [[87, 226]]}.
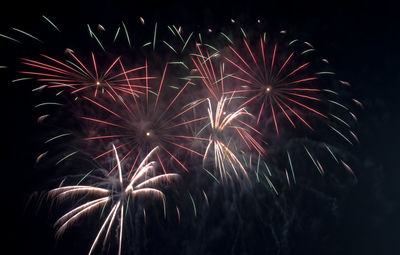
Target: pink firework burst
{"points": [[81, 77], [137, 123], [274, 82]]}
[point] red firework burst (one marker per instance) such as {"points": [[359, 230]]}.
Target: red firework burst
{"points": [[79, 77], [274, 82], [138, 123]]}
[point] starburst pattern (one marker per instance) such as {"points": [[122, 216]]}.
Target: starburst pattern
{"points": [[137, 124], [274, 82], [79, 77], [114, 196]]}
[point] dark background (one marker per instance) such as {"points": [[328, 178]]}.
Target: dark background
{"points": [[361, 41]]}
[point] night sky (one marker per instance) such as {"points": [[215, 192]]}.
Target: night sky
{"points": [[361, 41]]}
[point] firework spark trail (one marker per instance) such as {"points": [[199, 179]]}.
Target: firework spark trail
{"points": [[10, 38], [51, 23], [139, 185], [146, 122]]}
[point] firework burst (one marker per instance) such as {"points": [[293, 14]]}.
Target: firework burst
{"points": [[222, 120], [79, 77], [220, 138], [277, 84], [136, 124], [115, 196], [274, 83]]}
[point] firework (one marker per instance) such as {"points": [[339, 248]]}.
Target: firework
{"points": [[275, 82], [79, 77], [115, 196], [214, 107], [220, 139], [220, 120], [138, 123], [211, 77]]}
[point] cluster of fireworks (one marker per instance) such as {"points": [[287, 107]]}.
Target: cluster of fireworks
{"points": [[216, 102]]}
